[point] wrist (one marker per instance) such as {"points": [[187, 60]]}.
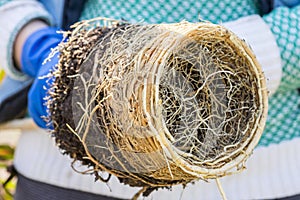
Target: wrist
{"points": [[37, 48], [22, 36], [14, 16]]}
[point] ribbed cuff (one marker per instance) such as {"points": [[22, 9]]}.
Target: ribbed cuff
{"points": [[259, 37], [14, 15]]}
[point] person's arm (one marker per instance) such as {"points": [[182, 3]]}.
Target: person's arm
{"points": [[284, 23], [259, 37], [15, 15], [22, 36], [18, 19], [33, 57]]}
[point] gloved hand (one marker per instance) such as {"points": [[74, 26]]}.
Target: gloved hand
{"points": [[13, 89], [35, 51]]}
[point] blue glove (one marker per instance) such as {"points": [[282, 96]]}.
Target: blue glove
{"points": [[35, 50]]}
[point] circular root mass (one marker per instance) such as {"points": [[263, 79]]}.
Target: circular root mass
{"points": [[157, 105]]}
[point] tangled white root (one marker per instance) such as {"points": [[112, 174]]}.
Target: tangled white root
{"points": [[161, 104]]}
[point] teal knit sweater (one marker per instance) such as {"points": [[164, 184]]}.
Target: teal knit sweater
{"points": [[284, 106]]}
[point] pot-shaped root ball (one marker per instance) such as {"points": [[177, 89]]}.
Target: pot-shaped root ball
{"points": [[160, 104]]}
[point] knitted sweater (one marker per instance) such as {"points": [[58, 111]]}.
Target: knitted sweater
{"points": [[272, 169]]}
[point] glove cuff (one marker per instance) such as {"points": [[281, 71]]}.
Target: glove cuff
{"points": [[14, 15], [259, 37]]}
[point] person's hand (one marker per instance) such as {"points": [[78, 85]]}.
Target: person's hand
{"points": [[15, 16], [35, 51]]}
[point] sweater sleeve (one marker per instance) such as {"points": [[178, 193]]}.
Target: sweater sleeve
{"points": [[14, 15], [258, 36], [285, 25]]}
